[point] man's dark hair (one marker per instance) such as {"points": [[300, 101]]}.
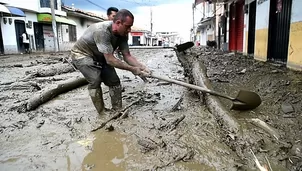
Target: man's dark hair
{"points": [[122, 15], [110, 9]]}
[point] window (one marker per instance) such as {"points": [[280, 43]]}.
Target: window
{"points": [[46, 4], [72, 33]]}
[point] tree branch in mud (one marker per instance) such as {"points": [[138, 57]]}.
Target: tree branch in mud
{"points": [[170, 126], [47, 95], [176, 106], [117, 115], [21, 86]]}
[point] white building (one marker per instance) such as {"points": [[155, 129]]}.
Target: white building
{"points": [[139, 37], [34, 17], [204, 22]]}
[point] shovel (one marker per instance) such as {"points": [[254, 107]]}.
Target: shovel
{"points": [[245, 100], [184, 46]]}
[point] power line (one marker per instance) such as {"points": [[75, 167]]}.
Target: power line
{"points": [[96, 5]]}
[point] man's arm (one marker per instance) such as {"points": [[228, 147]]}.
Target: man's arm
{"points": [[131, 60], [103, 43]]}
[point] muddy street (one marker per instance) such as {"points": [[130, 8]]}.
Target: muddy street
{"points": [[168, 129]]}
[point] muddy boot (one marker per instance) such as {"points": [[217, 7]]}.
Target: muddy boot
{"points": [[115, 93], [96, 96]]}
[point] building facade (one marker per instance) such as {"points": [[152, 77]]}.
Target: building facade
{"points": [[34, 17], [269, 30]]}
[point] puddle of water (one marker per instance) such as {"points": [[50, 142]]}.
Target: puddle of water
{"points": [[109, 151]]}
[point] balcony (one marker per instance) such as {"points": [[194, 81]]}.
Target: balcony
{"points": [[46, 4]]}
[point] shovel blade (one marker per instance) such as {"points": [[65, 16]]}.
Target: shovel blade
{"points": [[246, 100], [184, 46]]}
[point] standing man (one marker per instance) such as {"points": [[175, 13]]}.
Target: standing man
{"points": [[25, 42], [111, 12], [92, 54]]}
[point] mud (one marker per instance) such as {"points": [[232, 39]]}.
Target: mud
{"points": [[280, 90], [170, 129]]}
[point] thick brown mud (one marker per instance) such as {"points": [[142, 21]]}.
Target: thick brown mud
{"points": [[160, 133], [280, 90]]}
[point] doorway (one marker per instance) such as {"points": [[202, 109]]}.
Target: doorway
{"points": [[279, 26], [1, 42], [39, 36], [252, 28], [20, 29]]}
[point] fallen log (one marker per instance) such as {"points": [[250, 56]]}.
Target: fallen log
{"points": [[47, 95], [52, 71]]}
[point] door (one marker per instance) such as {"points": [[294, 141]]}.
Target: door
{"points": [[239, 25], [20, 29], [252, 28], [39, 37], [232, 32], [236, 26], [1, 42], [279, 26], [48, 37], [136, 40]]}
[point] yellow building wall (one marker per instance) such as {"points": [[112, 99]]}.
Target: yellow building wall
{"points": [[261, 41], [295, 46], [261, 33], [294, 60]]}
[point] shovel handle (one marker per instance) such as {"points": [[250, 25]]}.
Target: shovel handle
{"points": [[195, 87]]}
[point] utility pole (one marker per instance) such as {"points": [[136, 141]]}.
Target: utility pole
{"points": [[151, 25], [54, 26], [214, 3], [151, 22], [193, 27]]}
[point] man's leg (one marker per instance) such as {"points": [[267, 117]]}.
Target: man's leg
{"points": [[92, 73], [111, 80]]}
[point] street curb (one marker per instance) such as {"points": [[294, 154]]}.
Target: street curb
{"points": [[197, 71]]}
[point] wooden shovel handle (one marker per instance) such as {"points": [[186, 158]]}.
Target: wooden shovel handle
{"points": [[195, 87]]}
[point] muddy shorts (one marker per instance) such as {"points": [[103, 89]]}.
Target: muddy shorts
{"points": [[96, 73]]}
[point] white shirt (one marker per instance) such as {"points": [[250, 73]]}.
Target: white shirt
{"points": [[24, 38]]}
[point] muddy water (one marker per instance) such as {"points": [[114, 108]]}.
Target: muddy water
{"points": [[64, 140]]}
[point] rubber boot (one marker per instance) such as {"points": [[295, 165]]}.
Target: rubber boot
{"points": [[96, 96], [115, 93]]}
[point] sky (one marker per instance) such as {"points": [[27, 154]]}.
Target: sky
{"points": [[167, 15]]}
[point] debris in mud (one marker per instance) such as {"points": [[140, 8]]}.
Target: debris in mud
{"points": [[146, 145], [169, 56], [117, 115], [30, 86], [109, 128], [89, 166], [182, 157], [40, 124], [171, 125], [287, 108], [163, 84], [242, 71], [58, 144], [177, 105]]}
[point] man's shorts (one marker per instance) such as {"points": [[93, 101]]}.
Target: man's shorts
{"points": [[96, 73]]}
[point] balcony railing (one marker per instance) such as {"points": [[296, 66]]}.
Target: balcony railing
{"points": [[46, 4]]}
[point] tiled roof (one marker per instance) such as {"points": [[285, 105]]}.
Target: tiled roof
{"points": [[83, 12]]}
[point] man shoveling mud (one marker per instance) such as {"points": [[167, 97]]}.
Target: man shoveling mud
{"points": [[92, 54]]}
